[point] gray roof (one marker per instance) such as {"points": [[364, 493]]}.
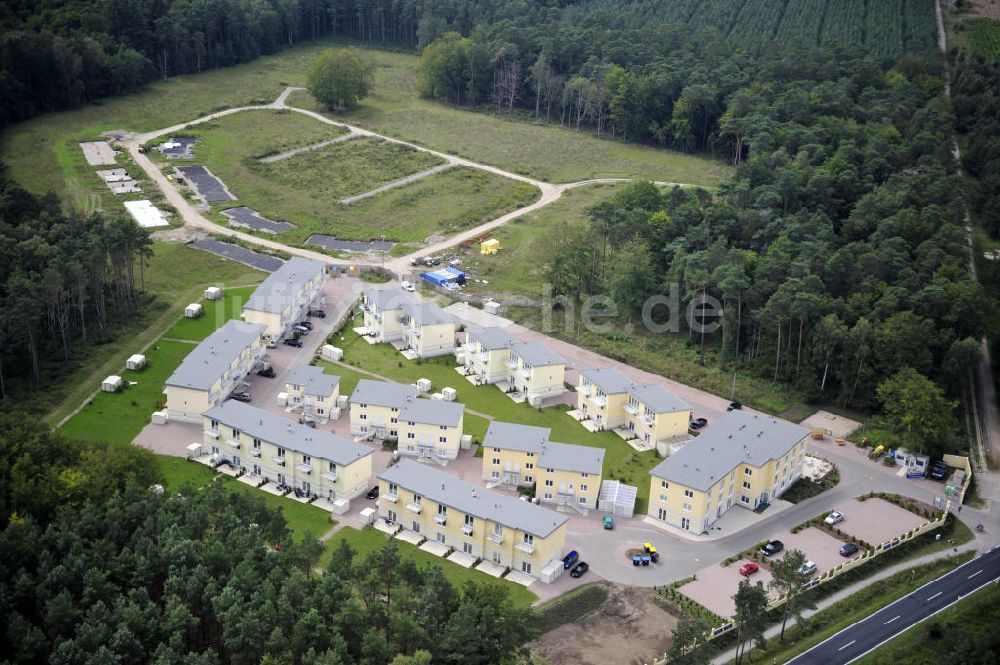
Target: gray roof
{"points": [[383, 393], [551, 454], [537, 354], [472, 499], [492, 338], [314, 380], [658, 399], [570, 457], [511, 436], [433, 412], [284, 284], [608, 379], [426, 313], [737, 437], [384, 298], [210, 359], [272, 428]]}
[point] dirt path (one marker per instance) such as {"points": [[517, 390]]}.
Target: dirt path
{"points": [[405, 180], [400, 266], [309, 148]]}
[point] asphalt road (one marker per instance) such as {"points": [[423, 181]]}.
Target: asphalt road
{"points": [[857, 640]]}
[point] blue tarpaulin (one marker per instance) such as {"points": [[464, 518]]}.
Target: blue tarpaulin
{"points": [[444, 276]]}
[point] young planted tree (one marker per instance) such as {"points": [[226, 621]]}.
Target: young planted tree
{"points": [[751, 609], [340, 79], [788, 583]]}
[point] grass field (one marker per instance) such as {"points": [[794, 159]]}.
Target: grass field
{"points": [[519, 267], [215, 313], [120, 416], [369, 540], [982, 37], [546, 152], [173, 288], [620, 460]]}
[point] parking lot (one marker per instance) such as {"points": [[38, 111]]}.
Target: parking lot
{"points": [[817, 545], [876, 520], [715, 585]]}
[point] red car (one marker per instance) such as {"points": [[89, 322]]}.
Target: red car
{"points": [[748, 569]]}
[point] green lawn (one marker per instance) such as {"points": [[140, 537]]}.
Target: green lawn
{"points": [[173, 289], [215, 313], [120, 416], [546, 152], [178, 472], [519, 267], [621, 461], [369, 540]]}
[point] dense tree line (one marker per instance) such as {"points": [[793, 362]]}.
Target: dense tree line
{"points": [[64, 278], [837, 249], [976, 100]]}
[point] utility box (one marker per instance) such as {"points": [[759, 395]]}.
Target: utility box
{"points": [[135, 362], [424, 385], [330, 352], [449, 394], [213, 293], [491, 307], [193, 311], [112, 384]]}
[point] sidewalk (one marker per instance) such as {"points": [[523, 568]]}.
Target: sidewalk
{"points": [[773, 631]]}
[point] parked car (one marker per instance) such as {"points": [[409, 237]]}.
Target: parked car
{"points": [[734, 406], [772, 548], [848, 549], [318, 313], [301, 330], [293, 341], [807, 568], [609, 522], [434, 262], [406, 286], [240, 396], [939, 470], [266, 372], [579, 569], [570, 559], [305, 324], [698, 423], [372, 493], [836, 517], [749, 569]]}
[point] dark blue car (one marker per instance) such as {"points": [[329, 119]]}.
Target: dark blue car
{"points": [[571, 559]]}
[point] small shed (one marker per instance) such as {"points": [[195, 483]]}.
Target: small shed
{"points": [[193, 450], [424, 385], [368, 516], [112, 384], [491, 307], [193, 311], [491, 246], [282, 399], [449, 394], [330, 352], [213, 293], [617, 498], [135, 362]]}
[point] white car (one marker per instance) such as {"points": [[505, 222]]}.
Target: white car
{"points": [[807, 568], [836, 517], [407, 286]]}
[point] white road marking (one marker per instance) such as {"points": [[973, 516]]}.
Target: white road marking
{"points": [[934, 596], [974, 574], [847, 645], [891, 620]]}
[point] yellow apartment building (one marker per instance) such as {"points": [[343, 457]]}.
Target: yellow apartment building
{"points": [[499, 528], [742, 459], [418, 329], [313, 390], [537, 372], [564, 474], [276, 450], [423, 428], [610, 400], [212, 370], [285, 297], [486, 352]]}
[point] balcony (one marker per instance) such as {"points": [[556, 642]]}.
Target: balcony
{"points": [[496, 538], [631, 409], [441, 518], [212, 433], [234, 443], [391, 498], [467, 529], [649, 420], [566, 492], [303, 467], [600, 401], [280, 460], [526, 373], [255, 452], [511, 363], [329, 475], [527, 548], [414, 507]]}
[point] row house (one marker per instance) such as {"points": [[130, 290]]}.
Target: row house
{"points": [[286, 296]]}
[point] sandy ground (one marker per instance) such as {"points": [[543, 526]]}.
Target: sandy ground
{"points": [[628, 622], [987, 8]]}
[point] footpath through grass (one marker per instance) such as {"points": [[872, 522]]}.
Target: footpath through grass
{"points": [[369, 540], [176, 275], [621, 461]]}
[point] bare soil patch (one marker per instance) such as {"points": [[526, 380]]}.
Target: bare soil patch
{"points": [[628, 628], [987, 8]]}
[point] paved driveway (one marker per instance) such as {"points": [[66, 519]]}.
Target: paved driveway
{"points": [[817, 545]]}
